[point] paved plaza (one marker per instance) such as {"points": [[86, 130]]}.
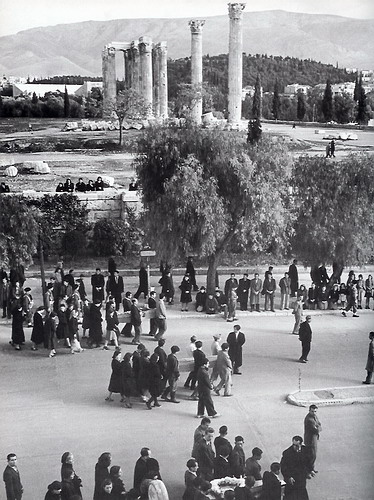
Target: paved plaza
{"points": [[49, 406]]}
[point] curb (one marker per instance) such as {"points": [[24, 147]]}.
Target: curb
{"points": [[333, 396]]}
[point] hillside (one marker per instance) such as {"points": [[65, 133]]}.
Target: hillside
{"points": [[76, 48]]}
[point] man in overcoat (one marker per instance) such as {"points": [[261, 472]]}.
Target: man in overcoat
{"points": [[243, 291], [204, 388], [97, 283], [312, 429], [114, 287], [294, 278], [305, 336], [12, 480], [370, 361], [255, 289], [296, 469], [236, 340]]}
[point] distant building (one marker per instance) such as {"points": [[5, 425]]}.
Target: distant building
{"points": [[249, 90], [41, 89], [343, 88], [295, 88]]}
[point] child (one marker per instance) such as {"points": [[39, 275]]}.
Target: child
{"points": [[111, 328], [342, 295], [75, 345]]}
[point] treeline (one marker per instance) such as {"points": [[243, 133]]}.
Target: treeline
{"points": [[67, 79]]}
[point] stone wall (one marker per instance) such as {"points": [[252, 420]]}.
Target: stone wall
{"points": [[109, 203]]}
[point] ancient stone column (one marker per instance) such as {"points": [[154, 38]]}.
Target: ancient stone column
{"points": [[235, 62], [145, 78], [156, 80], [127, 66], [196, 28], [163, 78], [109, 80], [135, 66]]}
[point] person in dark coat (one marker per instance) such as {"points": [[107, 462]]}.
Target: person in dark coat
{"points": [[167, 286], [115, 383], [243, 291], [18, 335], [244, 492], [305, 337], [141, 467], [201, 298], [12, 480], [271, 484], [127, 378], [118, 489], [136, 321], [204, 454], [101, 472], [50, 338], [114, 287], [204, 388], [37, 334], [80, 186], [54, 491], [236, 340], [190, 270], [172, 375], [67, 463], [143, 282], [294, 278], [96, 331], [63, 326], [312, 429], [162, 362], [185, 287], [154, 381], [143, 374], [189, 477], [98, 284], [81, 287], [296, 469], [67, 485], [99, 184], [199, 359], [370, 361], [222, 467], [237, 457], [232, 282], [127, 303]]}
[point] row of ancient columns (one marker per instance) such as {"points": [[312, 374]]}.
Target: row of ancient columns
{"points": [[145, 68], [235, 64]]}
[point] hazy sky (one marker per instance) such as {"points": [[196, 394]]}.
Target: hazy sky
{"points": [[17, 15]]}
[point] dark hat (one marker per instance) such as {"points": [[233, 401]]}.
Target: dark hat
{"points": [[56, 485], [174, 349], [27, 289]]}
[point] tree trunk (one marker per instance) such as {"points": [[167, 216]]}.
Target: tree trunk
{"points": [[211, 275], [337, 267], [120, 132]]}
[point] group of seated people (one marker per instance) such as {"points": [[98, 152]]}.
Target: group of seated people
{"points": [[4, 188], [80, 187]]}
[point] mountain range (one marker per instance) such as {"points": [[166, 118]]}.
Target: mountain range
{"points": [[75, 49]]}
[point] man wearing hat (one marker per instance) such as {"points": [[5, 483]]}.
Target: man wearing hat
{"points": [[305, 337]]}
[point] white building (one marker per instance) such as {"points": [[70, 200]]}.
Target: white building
{"points": [[41, 89], [295, 88]]}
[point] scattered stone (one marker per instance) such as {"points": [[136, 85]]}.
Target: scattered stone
{"points": [[11, 171]]}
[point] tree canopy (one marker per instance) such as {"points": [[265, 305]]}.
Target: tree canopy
{"points": [[203, 188]]}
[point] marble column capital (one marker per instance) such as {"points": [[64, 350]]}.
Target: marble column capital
{"points": [[236, 10], [145, 44], [196, 25]]}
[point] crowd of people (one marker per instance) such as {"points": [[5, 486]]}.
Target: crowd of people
{"points": [[80, 187], [212, 457]]}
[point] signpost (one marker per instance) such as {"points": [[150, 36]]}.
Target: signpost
{"points": [[147, 254]]}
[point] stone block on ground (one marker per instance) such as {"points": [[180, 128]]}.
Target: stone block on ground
{"points": [[11, 171], [37, 167]]}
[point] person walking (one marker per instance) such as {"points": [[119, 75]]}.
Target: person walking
{"points": [[154, 374], [127, 377], [95, 331], [115, 383], [298, 313], [172, 374], [204, 388], [224, 370], [161, 317], [312, 429], [305, 337], [67, 463], [101, 472], [136, 321], [12, 479], [18, 334], [143, 282], [236, 340], [370, 361]]}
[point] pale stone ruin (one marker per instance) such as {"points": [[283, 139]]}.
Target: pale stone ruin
{"points": [[145, 68]]}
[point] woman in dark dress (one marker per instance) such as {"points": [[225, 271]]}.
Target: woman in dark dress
{"points": [[96, 331], [67, 464], [118, 490], [67, 485], [37, 334], [154, 381], [101, 473], [50, 338], [115, 383], [127, 380], [18, 335], [185, 288], [143, 377]]}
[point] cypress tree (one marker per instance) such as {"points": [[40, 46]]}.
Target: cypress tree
{"points": [[66, 104], [257, 100], [276, 101], [358, 84], [362, 112], [301, 108], [327, 102], [34, 98]]}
